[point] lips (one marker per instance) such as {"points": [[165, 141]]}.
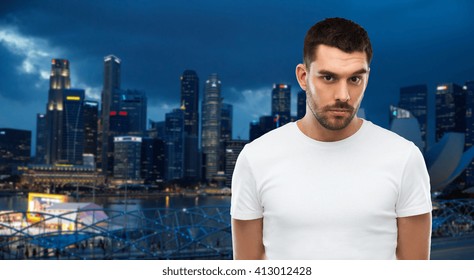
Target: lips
{"points": [[340, 110]]}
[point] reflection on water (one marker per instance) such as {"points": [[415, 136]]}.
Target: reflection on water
{"points": [[117, 203]]}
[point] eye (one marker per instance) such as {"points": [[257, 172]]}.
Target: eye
{"points": [[328, 78], [355, 79]]}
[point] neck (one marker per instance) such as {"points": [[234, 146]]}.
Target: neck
{"points": [[313, 129]]}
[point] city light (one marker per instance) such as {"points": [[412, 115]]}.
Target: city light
{"points": [[73, 98]]}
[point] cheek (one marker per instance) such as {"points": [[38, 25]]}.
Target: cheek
{"points": [[358, 94]]}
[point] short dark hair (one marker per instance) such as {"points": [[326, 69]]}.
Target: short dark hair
{"points": [[341, 33]]}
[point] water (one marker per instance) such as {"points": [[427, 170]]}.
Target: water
{"points": [[20, 203]]}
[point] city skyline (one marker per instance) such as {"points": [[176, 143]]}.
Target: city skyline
{"points": [[250, 50]]}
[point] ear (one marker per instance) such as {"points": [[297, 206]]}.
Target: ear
{"points": [[301, 75]]}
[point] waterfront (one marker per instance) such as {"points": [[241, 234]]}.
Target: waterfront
{"points": [[157, 226], [116, 202], [164, 226]]}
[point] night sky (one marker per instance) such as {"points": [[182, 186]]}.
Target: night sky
{"points": [[250, 44]]}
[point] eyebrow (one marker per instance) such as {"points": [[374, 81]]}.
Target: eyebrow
{"points": [[329, 73]]}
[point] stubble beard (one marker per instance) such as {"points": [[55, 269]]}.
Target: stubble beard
{"points": [[322, 115]]}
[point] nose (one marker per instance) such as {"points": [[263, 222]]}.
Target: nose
{"points": [[342, 92]]}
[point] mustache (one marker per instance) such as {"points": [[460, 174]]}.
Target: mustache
{"points": [[339, 105]]}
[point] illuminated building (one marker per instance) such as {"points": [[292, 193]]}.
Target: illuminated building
{"points": [[450, 109], [133, 106], [281, 103], [15, 149], [153, 160], [415, 99], [64, 117], [41, 140], [399, 113], [232, 151], [469, 142], [211, 121], [189, 101], [226, 131], [60, 175], [110, 103], [127, 160], [174, 141], [190, 107], [301, 105], [91, 118], [226, 122], [66, 128], [60, 74]]}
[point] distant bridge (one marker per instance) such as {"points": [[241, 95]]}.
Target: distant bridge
{"points": [[193, 233]]}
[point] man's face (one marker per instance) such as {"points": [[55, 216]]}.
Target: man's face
{"points": [[335, 85]]}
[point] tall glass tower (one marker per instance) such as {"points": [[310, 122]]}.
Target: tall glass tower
{"points": [[174, 141], [211, 122], [91, 118], [41, 140], [134, 103], [281, 104], [469, 91], [110, 102], [450, 109], [190, 107], [415, 99], [190, 101], [65, 117]]}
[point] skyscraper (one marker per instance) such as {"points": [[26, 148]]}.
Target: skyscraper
{"points": [[127, 160], [153, 160], [226, 121], [174, 141], [281, 103], [415, 99], [211, 121], [73, 126], [15, 149], [134, 103], [60, 74], [301, 105], [41, 140], [232, 151], [91, 119], [190, 101], [110, 102], [450, 109], [190, 107], [226, 132], [469, 142], [64, 115], [59, 80]]}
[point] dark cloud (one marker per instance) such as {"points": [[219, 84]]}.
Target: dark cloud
{"points": [[250, 44]]}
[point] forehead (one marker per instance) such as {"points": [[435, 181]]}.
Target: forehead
{"points": [[337, 61]]}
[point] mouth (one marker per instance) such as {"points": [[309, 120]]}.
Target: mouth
{"points": [[340, 112]]}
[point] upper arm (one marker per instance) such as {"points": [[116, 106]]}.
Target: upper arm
{"points": [[414, 237], [247, 239]]}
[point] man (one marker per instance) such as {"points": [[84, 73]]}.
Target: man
{"points": [[331, 185]]}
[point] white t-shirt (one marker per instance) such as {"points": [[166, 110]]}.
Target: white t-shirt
{"points": [[330, 200]]}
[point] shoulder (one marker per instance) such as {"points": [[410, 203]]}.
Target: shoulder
{"points": [[380, 136], [277, 137]]}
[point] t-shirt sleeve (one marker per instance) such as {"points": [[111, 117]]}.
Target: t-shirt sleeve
{"points": [[245, 203], [414, 197]]}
